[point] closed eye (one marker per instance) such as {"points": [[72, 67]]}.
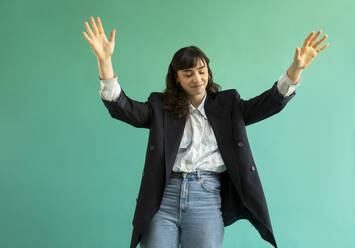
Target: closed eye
{"points": [[191, 74]]}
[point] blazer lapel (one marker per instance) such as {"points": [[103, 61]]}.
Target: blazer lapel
{"points": [[173, 131], [220, 118]]}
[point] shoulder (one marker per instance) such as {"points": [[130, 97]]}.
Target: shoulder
{"points": [[155, 96], [226, 95], [228, 92]]}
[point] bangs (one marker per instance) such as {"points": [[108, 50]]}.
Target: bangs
{"points": [[188, 60]]}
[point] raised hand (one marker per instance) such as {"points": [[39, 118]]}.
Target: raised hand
{"points": [[102, 47], [305, 55]]}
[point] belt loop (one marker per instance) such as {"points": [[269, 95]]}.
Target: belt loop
{"points": [[198, 174]]}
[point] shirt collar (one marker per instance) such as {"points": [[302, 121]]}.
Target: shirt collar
{"points": [[200, 108]]}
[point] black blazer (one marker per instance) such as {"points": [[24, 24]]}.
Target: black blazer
{"points": [[242, 193]]}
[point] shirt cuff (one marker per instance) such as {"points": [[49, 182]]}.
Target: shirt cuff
{"points": [[286, 86], [109, 88]]}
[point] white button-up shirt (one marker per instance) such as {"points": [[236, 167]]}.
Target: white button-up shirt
{"points": [[198, 148]]}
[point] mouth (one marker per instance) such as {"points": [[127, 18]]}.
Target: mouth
{"points": [[197, 86]]}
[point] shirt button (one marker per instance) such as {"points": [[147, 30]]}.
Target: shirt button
{"points": [[151, 147], [253, 168], [240, 144]]}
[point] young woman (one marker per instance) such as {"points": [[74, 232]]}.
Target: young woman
{"points": [[199, 174]]}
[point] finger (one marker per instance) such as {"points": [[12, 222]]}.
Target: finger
{"points": [[89, 30], [94, 27], [307, 39], [101, 29], [87, 38], [112, 37], [322, 48], [314, 38], [320, 41]]}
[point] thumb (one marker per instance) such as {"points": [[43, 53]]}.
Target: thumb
{"points": [[298, 52]]}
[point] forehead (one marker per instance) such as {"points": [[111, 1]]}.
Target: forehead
{"points": [[199, 65]]}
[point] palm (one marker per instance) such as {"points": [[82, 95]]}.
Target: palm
{"points": [[101, 46], [309, 51]]}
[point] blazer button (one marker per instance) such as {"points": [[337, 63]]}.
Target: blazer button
{"points": [[151, 147], [136, 199], [240, 144], [253, 168], [143, 173]]}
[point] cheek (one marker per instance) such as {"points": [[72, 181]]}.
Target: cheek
{"points": [[184, 83], [206, 78]]}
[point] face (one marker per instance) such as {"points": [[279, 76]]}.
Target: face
{"points": [[194, 80]]}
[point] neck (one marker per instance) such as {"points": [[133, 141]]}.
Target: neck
{"points": [[197, 99]]}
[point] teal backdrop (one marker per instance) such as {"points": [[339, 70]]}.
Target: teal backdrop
{"points": [[70, 174]]}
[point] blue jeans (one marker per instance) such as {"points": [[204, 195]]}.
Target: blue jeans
{"points": [[190, 213]]}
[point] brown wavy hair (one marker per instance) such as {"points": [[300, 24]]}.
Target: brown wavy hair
{"points": [[175, 99]]}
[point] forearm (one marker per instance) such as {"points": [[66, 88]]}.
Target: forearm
{"points": [[105, 69], [294, 73]]}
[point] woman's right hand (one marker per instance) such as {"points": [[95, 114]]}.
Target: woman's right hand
{"points": [[102, 47]]}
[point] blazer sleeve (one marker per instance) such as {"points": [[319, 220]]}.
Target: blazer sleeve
{"points": [[135, 113], [266, 104]]}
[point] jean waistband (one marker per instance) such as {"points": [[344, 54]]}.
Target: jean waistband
{"points": [[193, 174]]}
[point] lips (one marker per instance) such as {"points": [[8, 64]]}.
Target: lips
{"points": [[196, 86]]}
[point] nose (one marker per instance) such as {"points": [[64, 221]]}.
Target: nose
{"points": [[197, 78]]}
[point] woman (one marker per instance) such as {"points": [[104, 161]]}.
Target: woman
{"points": [[194, 181]]}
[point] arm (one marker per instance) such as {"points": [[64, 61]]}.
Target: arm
{"points": [[274, 100], [121, 107], [286, 86], [109, 89], [268, 103], [118, 104], [135, 113]]}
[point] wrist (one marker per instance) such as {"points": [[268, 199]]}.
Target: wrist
{"points": [[294, 73], [106, 61], [105, 69]]}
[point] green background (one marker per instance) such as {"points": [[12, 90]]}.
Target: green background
{"points": [[70, 174]]}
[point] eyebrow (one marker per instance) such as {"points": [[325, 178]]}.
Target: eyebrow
{"points": [[192, 70]]}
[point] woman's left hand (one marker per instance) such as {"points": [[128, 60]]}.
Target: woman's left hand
{"points": [[305, 55]]}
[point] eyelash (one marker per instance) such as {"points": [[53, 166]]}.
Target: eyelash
{"points": [[191, 74]]}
